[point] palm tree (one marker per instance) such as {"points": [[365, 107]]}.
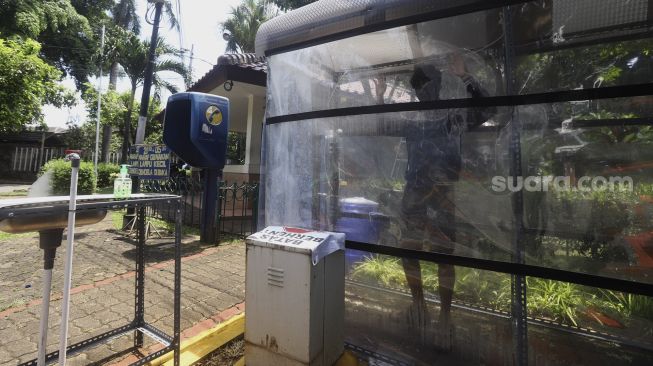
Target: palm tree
{"points": [[244, 22], [124, 16], [134, 61], [124, 25]]}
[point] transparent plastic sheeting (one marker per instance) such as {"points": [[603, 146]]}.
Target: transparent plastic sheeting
{"points": [[602, 231], [564, 185], [376, 68], [568, 324]]}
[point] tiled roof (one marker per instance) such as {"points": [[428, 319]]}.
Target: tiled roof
{"points": [[246, 61]]}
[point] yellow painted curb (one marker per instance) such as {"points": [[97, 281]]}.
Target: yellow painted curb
{"points": [[347, 359], [195, 348]]}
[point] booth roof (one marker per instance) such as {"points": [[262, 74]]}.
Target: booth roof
{"points": [[328, 20], [243, 67], [244, 60]]}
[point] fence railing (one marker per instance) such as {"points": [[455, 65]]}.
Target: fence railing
{"points": [[31, 159], [236, 207], [114, 157]]}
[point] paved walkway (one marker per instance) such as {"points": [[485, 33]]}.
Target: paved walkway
{"points": [[213, 288]]}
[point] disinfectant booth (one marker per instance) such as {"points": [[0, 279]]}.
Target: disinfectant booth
{"points": [[490, 165]]}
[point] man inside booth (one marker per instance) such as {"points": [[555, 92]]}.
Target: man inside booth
{"points": [[428, 210]]}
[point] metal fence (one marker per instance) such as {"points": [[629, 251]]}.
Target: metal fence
{"points": [[237, 204], [113, 158], [31, 159]]}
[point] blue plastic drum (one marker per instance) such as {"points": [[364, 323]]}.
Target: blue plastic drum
{"points": [[359, 220]]}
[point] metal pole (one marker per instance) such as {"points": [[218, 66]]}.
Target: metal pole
{"points": [[149, 70], [49, 241], [45, 312], [177, 297], [99, 109], [189, 82], [518, 284], [145, 97], [333, 197], [68, 264], [207, 223]]}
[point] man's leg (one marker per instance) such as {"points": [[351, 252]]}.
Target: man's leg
{"points": [[413, 272], [442, 239], [413, 217], [446, 280], [418, 312]]}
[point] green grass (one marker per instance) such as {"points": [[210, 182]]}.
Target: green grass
{"points": [[13, 304], [116, 218], [104, 190], [383, 270], [8, 236], [560, 301], [637, 306], [15, 193], [564, 302]]}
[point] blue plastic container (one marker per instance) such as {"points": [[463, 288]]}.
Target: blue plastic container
{"points": [[358, 221]]}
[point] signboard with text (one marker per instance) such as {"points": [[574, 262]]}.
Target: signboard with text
{"points": [[149, 161]]}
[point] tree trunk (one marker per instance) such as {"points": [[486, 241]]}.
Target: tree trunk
{"points": [[113, 76], [106, 142], [127, 126], [106, 129]]}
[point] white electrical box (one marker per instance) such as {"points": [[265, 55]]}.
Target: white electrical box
{"points": [[295, 290]]}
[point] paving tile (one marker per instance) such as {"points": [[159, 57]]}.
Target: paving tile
{"points": [[212, 282]]}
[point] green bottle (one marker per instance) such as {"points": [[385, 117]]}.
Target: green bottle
{"points": [[122, 186]]}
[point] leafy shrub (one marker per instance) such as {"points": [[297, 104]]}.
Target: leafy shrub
{"points": [[644, 189], [476, 286], [560, 301], [596, 218], [383, 270], [61, 171], [104, 174], [630, 305]]}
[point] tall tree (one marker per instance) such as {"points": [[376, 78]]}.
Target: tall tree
{"points": [[26, 83], [113, 108], [134, 62], [125, 19], [124, 22], [244, 22], [125, 25], [68, 39]]}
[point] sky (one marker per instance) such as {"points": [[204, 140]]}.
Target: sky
{"points": [[199, 27]]}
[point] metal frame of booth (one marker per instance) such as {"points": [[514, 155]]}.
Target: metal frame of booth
{"points": [[138, 325]]}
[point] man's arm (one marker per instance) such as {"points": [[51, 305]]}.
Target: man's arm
{"points": [[478, 116]]}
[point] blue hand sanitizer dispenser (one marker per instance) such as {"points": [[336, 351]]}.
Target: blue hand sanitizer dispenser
{"points": [[195, 128]]}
